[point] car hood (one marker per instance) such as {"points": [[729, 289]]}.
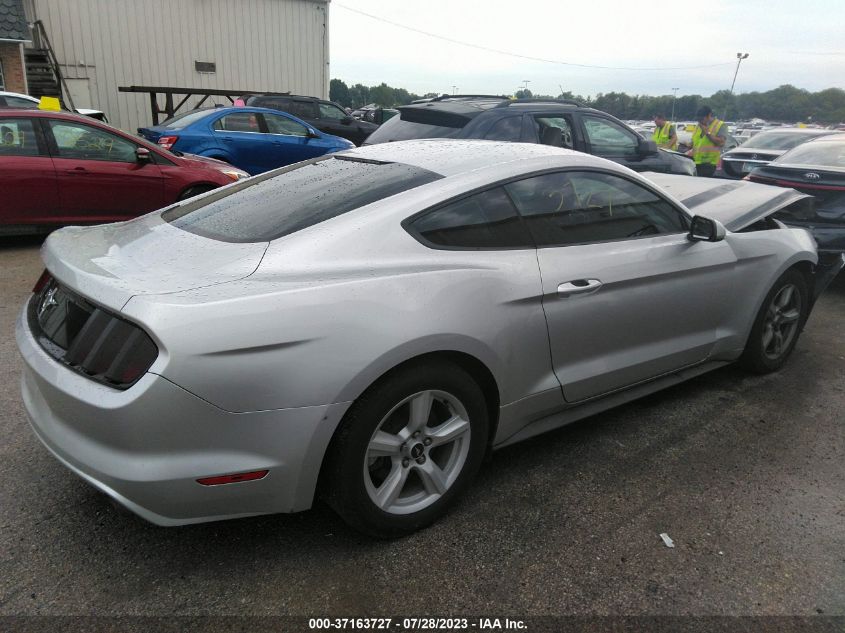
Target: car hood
{"points": [[194, 160], [111, 263], [735, 203]]}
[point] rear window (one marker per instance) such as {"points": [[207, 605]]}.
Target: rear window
{"points": [[396, 129], [284, 201], [779, 140], [822, 153], [184, 120]]}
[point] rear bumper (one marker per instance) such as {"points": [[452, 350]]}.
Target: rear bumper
{"points": [[146, 446]]}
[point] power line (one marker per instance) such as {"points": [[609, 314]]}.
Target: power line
{"points": [[512, 54]]}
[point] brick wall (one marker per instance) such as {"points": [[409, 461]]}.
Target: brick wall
{"points": [[13, 67]]}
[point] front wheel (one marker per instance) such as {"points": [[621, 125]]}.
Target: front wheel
{"points": [[778, 324], [406, 449]]}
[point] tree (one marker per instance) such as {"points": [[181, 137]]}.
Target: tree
{"points": [[339, 92], [524, 94]]}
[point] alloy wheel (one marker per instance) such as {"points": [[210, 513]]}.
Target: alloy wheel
{"points": [[417, 452], [781, 322]]}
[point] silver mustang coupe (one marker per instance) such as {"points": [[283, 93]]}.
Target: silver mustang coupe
{"points": [[366, 326]]}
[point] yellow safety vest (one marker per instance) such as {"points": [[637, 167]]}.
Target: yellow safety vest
{"points": [[662, 137], [703, 152]]}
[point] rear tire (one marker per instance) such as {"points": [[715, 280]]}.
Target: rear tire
{"points": [[406, 449], [778, 324]]}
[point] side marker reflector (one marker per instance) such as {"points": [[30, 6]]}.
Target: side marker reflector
{"points": [[233, 479]]}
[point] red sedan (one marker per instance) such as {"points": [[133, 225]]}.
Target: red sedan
{"points": [[59, 168]]}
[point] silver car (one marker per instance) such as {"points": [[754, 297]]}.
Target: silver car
{"points": [[366, 326]]}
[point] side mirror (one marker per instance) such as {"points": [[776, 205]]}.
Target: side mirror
{"points": [[646, 147], [346, 120], [312, 134], [706, 230], [142, 155]]}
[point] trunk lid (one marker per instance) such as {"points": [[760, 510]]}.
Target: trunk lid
{"points": [[111, 263], [735, 203]]}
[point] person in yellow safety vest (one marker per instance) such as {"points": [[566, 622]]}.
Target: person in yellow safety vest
{"points": [[664, 133], [707, 141]]}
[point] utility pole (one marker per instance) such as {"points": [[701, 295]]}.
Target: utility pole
{"points": [[674, 96], [739, 58]]}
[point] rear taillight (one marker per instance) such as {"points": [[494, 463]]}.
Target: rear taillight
{"points": [[167, 142], [43, 280], [89, 339]]}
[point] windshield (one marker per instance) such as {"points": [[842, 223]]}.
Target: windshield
{"points": [[184, 120], [826, 153], [396, 129], [778, 140], [284, 201]]}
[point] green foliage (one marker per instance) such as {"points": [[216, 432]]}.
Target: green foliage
{"points": [[784, 103], [359, 95]]}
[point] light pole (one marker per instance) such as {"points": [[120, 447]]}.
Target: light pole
{"points": [[454, 90], [739, 58], [674, 96]]}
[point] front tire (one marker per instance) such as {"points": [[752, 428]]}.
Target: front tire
{"points": [[406, 449], [778, 324]]}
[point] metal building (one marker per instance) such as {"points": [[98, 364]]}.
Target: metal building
{"points": [[237, 45]]}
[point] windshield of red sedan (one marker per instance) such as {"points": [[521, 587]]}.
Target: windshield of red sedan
{"points": [[284, 201]]}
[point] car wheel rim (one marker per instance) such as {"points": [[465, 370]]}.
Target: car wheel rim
{"points": [[417, 452], [781, 323]]}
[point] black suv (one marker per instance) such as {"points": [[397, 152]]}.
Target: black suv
{"points": [[326, 116], [562, 123]]}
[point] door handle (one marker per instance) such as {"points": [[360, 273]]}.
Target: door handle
{"points": [[76, 170], [578, 287]]}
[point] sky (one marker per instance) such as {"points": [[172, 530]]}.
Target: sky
{"points": [[645, 46]]}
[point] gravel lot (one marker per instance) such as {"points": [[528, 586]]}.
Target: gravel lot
{"points": [[745, 473]]}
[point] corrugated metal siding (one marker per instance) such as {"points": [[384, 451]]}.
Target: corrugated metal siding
{"points": [[274, 45]]}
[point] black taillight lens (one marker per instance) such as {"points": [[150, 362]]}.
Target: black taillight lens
{"points": [[89, 339]]}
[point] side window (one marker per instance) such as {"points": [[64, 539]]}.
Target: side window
{"points": [[75, 140], [17, 138], [546, 126], [238, 122], [302, 109], [17, 102], [607, 137], [331, 111], [584, 207], [277, 124], [507, 129], [484, 220]]}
